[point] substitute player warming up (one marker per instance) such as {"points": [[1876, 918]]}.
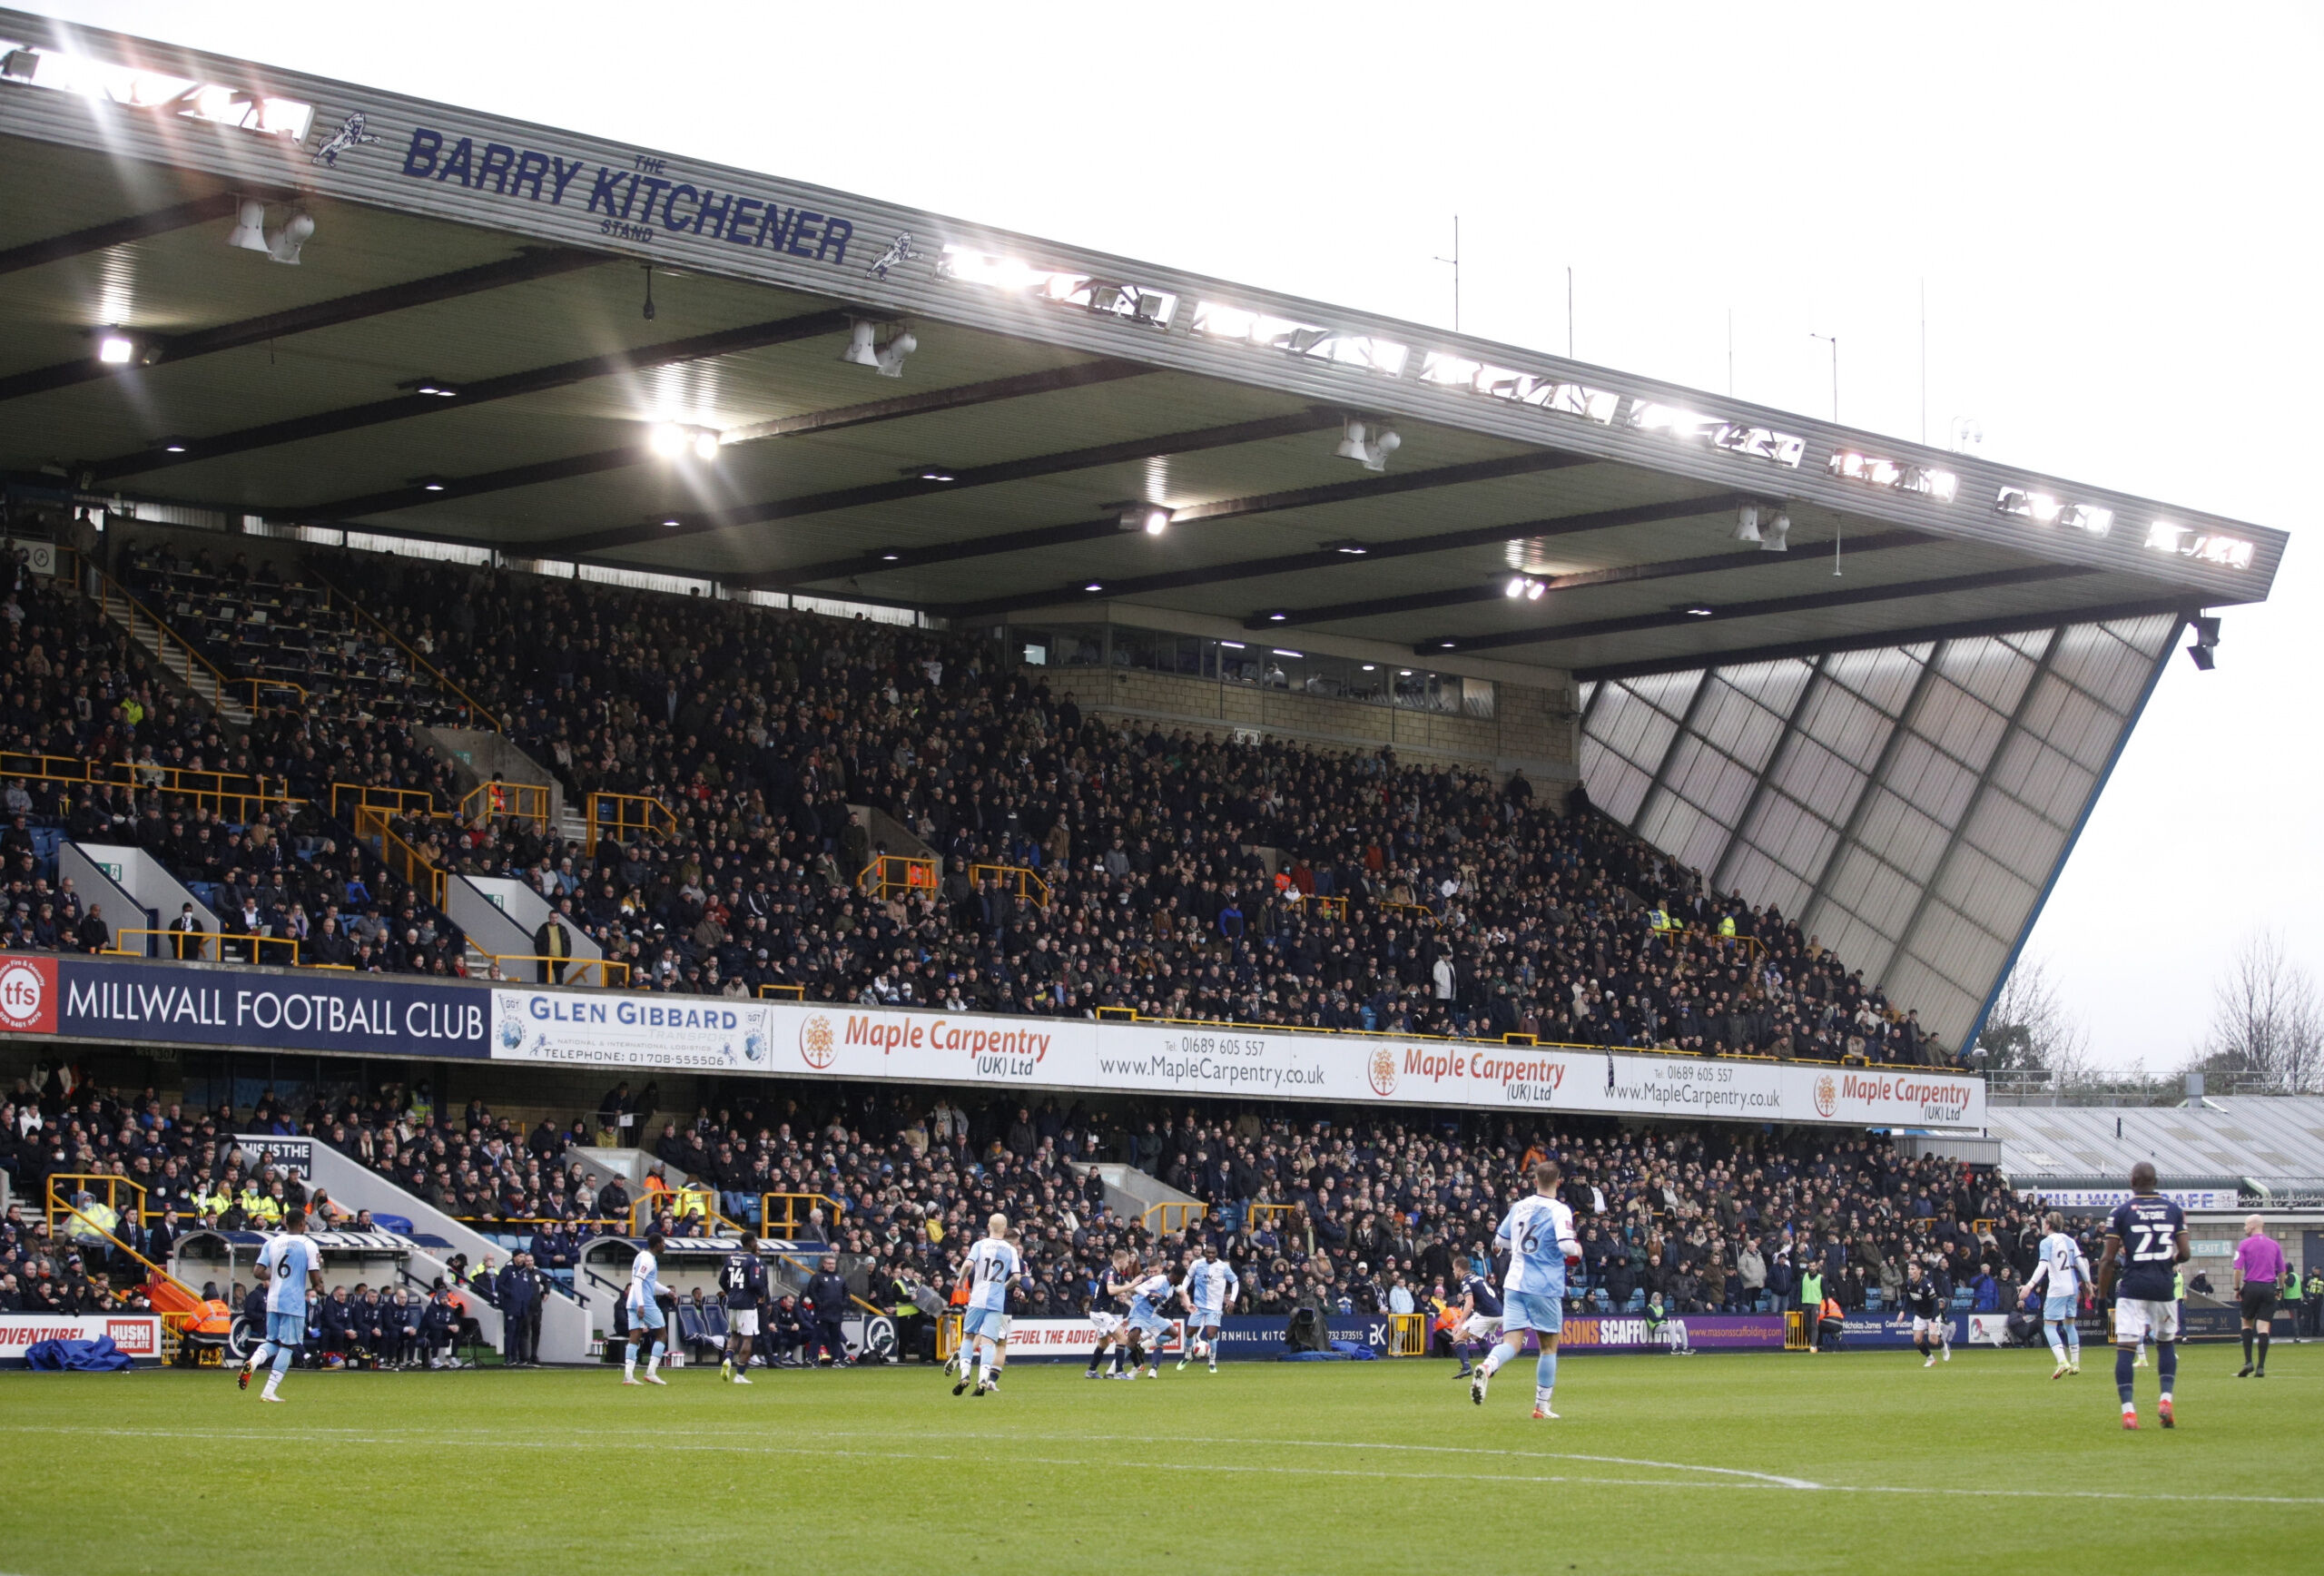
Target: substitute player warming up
{"points": [[1539, 1236], [2147, 1236]]}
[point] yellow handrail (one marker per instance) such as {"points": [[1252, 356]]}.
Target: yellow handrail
{"points": [[475, 707], [1425, 915], [630, 812], [682, 1204], [1188, 1211], [131, 610], [238, 940], [1028, 883], [413, 866], [903, 873], [573, 965], [788, 993], [60, 1203], [205, 787], [522, 801], [794, 1214], [400, 801]]}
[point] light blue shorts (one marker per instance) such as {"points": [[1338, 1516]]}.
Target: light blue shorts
{"points": [[286, 1329], [986, 1322], [1208, 1318], [2059, 1309], [648, 1318], [1540, 1311]]}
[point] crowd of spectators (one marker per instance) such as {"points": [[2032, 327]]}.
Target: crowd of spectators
{"points": [[1344, 1216]]}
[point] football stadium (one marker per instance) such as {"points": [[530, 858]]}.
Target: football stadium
{"points": [[681, 848]]}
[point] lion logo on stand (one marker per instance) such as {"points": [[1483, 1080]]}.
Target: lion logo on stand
{"points": [[1381, 1068], [815, 1041]]}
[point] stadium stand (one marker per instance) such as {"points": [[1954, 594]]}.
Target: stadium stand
{"points": [[1319, 1211]]}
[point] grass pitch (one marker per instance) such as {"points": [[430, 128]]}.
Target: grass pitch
{"points": [[1741, 1463]]}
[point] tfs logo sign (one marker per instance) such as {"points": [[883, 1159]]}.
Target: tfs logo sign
{"points": [[29, 995]]}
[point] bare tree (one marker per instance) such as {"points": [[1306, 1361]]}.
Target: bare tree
{"points": [[2267, 1020], [2030, 1029]]}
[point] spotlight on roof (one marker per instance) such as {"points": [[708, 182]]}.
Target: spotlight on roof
{"points": [[114, 348], [436, 387], [865, 348], [705, 446], [671, 522], [2203, 653], [1516, 586], [1095, 586], [1151, 518], [890, 556], [250, 227], [430, 483], [1446, 644], [936, 473], [672, 441], [174, 446], [1697, 610], [1277, 617], [1776, 534], [291, 237], [1747, 523], [1524, 586], [1350, 545], [1368, 442]]}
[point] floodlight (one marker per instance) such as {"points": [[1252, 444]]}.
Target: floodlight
{"points": [[1151, 518], [935, 473], [174, 446], [291, 237], [115, 349], [1776, 534], [1348, 545], [1516, 586], [435, 385], [2204, 657], [1368, 442], [670, 522], [667, 439], [431, 484], [1697, 610], [890, 556], [1533, 590], [1095, 586], [706, 445], [1277, 617], [1747, 523], [250, 227]]}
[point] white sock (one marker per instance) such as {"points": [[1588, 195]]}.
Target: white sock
{"points": [[1542, 1395], [629, 1362], [273, 1379]]}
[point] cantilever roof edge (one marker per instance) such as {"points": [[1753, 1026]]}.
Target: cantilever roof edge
{"points": [[398, 154]]}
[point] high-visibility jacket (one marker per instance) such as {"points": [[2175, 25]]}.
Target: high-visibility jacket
{"points": [[1727, 926]]}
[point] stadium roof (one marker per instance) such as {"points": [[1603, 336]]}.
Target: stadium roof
{"points": [[2276, 1141], [1048, 391]]}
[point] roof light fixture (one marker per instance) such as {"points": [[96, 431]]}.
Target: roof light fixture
{"points": [[436, 387], [2206, 628], [1368, 442], [1279, 651], [1278, 617], [1151, 518], [670, 522], [935, 473], [865, 348], [890, 556], [673, 440], [174, 446], [293, 235], [430, 483], [1095, 586], [114, 348], [1697, 610], [1350, 545], [248, 233]]}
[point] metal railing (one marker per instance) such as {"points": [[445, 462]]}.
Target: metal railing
{"points": [[60, 1203], [367, 796], [1417, 913], [519, 801], [783, 992], [620, 815], [1024, 882], [281, 950], [1260, 1214], [1407, 1335], [479, 714], [113, 602], [413, 866], [1176, 1214], [234, 796], [795, 1210], [899, 872], [680, 1204]]}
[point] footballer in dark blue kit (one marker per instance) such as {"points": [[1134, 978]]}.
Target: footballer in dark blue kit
{"points": [[2146, 1242], [742, 1285]]}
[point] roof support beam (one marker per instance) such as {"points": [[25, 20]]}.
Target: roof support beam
{"points": [[118, 231], [1037, 464], [953, 398], [1621, 575], [507, 386], [2033, 574], [542, 262], [1268, 503]]}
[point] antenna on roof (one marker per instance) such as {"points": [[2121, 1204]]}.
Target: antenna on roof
{"points": [[1455, 260]]}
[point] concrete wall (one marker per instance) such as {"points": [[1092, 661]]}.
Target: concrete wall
{"points": [[1533, 728], [501, 915], [133, 901]]}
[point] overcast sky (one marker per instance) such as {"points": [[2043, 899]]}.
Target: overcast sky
{"points": [[2111, 208]]}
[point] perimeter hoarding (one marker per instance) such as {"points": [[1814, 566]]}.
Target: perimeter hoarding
{"points": [[138, 1336], [612, 1030]]}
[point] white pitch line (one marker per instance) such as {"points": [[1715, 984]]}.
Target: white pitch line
{"points": [[1763, 1482]]}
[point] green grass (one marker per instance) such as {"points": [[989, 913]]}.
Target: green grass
{"points": [[1749, 1462]]}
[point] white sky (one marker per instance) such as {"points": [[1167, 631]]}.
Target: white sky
{"points": [[2112, 208]]}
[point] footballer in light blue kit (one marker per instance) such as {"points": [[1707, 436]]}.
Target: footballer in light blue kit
{"points": [[1539, 1237], [646, 1320], [992, 1266], [1209, 1288], [1149, 1326], [292, 1268], [2062, 1271]]}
